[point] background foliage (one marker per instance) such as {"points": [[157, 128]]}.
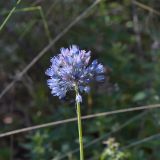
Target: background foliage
{"points": [[125, 37]]}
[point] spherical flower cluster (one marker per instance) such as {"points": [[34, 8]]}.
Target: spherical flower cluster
{"points": [[71, 69]]}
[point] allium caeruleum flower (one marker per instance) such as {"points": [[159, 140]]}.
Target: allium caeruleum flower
{"points": [[71, 68]]}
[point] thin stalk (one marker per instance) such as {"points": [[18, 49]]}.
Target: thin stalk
{"points": [[79, 125], [45, 23], [31, 9], [9, 15]]}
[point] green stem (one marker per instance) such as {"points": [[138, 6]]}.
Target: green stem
{"points": [[9, 15], [79, 126]]}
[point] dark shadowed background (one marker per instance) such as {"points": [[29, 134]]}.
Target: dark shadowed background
{"points": [[124, 35]]}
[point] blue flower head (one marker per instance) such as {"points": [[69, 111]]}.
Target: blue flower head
{"points": [[71, 68]]}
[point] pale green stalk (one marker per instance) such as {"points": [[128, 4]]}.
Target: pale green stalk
{"points": [[45, 23], [29, 9], [79, 125], [9, 15]]}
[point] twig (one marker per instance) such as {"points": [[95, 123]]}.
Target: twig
{"points": [[75, 119], [150, 138], [145, 7], [136, 27]]}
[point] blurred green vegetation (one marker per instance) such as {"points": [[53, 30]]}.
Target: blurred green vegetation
{"points": [[123, 36], [112, 152]]}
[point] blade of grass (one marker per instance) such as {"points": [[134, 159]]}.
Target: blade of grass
{"points": [[40, 10], [9, 15]]}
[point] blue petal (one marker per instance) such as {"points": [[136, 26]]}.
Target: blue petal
{"points": [[87, 89], [49, 72], [78, 98], [100, 78], [94, 63], [100, 68], [74, 49], [81, 88]]}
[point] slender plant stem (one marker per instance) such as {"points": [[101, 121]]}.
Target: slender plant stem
{"points": [[40, 10], [9, 15], [79, 126], [45, 23]]}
